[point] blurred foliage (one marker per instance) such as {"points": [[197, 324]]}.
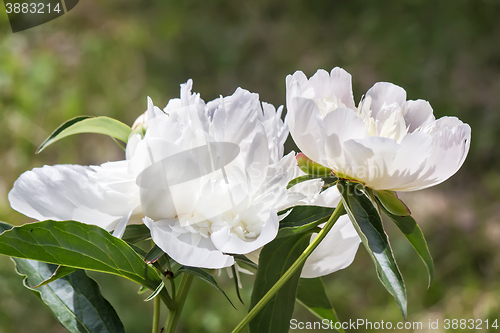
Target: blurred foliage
{"points": [[103, 59]]}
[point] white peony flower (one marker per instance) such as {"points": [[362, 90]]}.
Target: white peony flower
{"points": [[206, 179], [386, 143]]}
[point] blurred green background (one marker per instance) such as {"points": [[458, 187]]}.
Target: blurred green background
{"points": [[104, 58]]}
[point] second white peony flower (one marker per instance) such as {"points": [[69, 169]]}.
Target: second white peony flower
{"points": [[386, 143]]}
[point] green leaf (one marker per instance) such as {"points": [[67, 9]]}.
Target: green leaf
{"points": [[241, 258], [139, 250], [77, 245], [275, 258], [74, 299], [86, 124], [390, 201], [302, 219], [201, 274], [135, 233], [414, 235], [156, 292], [60, 272], [154, 254], [312, 168], [236, 282], [368, 224], [311, 294], [303, 215], [4, 227], [299, 180]]}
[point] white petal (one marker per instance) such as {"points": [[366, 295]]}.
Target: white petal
{"points": [[149, 151], [73, 192], [303, 121], [133, 140], [304, 193], [180, 248], [235, 117], [335, 252], [410, 160], [169, 185], [328, 198], [308, 193], [354, 158], [385, 93], [417, 114], [341, 86], [451, 143], [276, 131], [120, 228], [339, 126], [369, 159], [297, 85], [165, 127], [228, 242], [152, 110], [257, 159], [115, 175], [383, 164], [320, 82]]}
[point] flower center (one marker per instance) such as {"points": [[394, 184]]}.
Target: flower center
{"points": [[388, 122], [201, 227]]}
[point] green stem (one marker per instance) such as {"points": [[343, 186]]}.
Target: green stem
{"points": [[291, 271], [174, 315], [164, 295], [156, 314], [172, 284]]}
